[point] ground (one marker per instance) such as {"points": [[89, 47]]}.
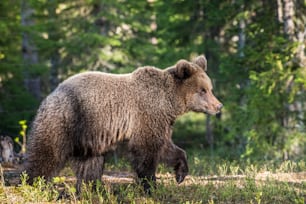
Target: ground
{"points": [[120, 187]]}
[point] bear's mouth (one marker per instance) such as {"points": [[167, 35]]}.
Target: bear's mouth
{"points": [[212, 112], [209, 112]]}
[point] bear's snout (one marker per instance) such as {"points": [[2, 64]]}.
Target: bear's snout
{"points": [[219, 107]]}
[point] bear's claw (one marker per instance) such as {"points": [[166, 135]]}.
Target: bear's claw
{"points": [[180, 179]]}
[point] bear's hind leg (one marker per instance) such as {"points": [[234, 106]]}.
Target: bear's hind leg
{"points": [[87, 170], [42, 163]]}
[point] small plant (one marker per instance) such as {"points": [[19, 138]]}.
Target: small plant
{"points": [[40, 191], [251, 170], [258, 197], [234, 169], [24, 177], [2, 182], [302, 165], [22, 133], [211, 201], [288, 166], [222, 169]]}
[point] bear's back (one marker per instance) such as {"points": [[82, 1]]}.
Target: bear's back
{"points": [[143, 86], [94, 88], [97, 98]]}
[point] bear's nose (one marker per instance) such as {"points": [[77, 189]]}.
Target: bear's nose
{"points": [[219, 106]]}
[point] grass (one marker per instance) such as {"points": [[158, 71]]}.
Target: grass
{"points": [[211, 181]]}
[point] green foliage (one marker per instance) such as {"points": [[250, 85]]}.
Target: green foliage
{"points": [[252, 62], [192, 127], [14, 98]]}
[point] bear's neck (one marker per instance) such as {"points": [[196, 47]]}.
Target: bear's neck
{"points": [[178, 106]]}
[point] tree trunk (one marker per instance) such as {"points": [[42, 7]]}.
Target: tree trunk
{"points": [[294, 33], [241, 42], [300, 53], [241, 35], [209, 134], [29, 52], [288, 19], [280, 11], [54, 37]]}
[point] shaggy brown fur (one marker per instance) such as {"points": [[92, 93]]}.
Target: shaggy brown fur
{"points": [[89, 113]]}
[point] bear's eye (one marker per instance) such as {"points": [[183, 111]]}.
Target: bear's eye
{"points": [[203, 90]]}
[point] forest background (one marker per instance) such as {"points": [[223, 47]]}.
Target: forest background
{"points": [[255, 51]]}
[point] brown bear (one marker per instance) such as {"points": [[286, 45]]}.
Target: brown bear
{"points": [[89, 113]]}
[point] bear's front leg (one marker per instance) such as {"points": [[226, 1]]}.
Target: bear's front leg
{"points": [[175, 157], [144, 162]]}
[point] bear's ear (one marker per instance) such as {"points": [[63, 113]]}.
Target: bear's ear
{"points": [[183, 69], [201, 62]]}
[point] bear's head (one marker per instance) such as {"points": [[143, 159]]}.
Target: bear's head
{"points": [[195, 87]]}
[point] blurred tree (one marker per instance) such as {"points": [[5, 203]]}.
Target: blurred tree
{"points": [[15, 102], [264, 98], [29, 51]]}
